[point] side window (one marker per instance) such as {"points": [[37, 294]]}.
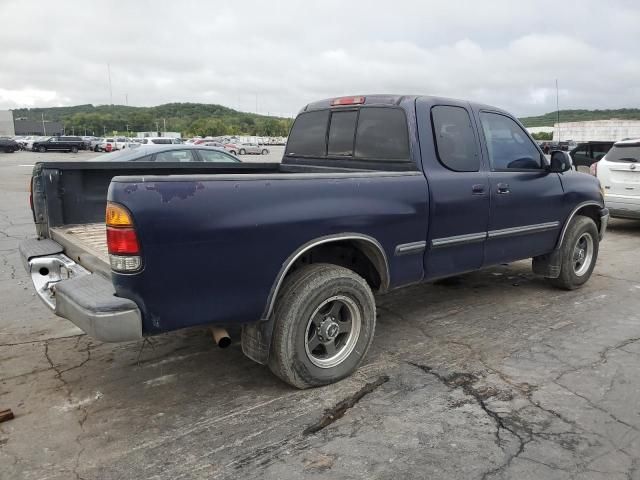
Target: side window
{"points": [[342, 132], [455, 141], [509, 147], [382, 134], [146, 158], [213, 156], [175, 156], [309, 134]]}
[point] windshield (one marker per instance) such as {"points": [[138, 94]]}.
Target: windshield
{"points": [[625, 152]]}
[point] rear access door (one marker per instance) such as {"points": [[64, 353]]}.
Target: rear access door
{"points": [[458, 187]]}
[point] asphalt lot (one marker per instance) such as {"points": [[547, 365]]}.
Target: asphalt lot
{"points": [[490, 375]]}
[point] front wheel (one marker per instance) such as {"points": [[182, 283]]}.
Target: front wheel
{"points": [[74, 149], [42, 149], [242, 151], [325, 317], [265, 151], [579, 252]]}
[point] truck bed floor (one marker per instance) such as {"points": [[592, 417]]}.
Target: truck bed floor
{"points": [[88, 238]]}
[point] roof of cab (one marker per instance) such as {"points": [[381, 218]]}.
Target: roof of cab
{"points": [[389, 99]]}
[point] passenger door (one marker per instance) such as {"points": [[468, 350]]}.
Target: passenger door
{"points": [[458, 188], [527, 202]]}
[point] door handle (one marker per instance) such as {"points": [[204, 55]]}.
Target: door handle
{"points": [[503, 188], [477, 189]]}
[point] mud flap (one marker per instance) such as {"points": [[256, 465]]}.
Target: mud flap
{"points": [[547, 265], [256, 340]]}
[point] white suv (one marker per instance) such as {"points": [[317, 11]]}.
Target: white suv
{"points": [[619, 175]]}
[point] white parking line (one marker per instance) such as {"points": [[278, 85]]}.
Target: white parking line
{"points": [[25, 165]]}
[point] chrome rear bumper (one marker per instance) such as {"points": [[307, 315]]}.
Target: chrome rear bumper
{"points": [[72, 292]]}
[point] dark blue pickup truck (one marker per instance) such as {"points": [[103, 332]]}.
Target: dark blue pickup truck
{"points": [[373, 193]]}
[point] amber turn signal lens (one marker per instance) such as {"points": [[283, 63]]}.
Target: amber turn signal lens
{"points": [[118, 216]]}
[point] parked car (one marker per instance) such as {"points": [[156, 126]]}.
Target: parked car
{"points": [[95, 143], [619, 175], [586, 153], [211, 144], [161, 141], [8, 145], [373, 193], [110, 144], [232, 148], [89, 141], [28, 145], [61, 144], [252, 148], [168, 153]]}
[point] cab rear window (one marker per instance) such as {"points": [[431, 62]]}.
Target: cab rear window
{"points": [[367, 133]]}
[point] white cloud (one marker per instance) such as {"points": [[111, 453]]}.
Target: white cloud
{"points": [[285, 54]]}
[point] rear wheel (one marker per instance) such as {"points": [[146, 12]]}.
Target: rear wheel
{"points": [[579, 252], [265, 151], [8, 150], [74, 149], [242, 151], [324, 323]]}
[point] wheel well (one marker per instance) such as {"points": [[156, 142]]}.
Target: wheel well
{"points": [[357, 255], [591, 211]]}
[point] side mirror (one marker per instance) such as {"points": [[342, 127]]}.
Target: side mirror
{"points": [[560, 162]]}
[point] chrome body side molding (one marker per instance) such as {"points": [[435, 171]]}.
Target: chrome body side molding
{"points": [[410, 248]]}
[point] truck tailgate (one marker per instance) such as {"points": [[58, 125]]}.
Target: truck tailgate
{"points": [[86, 244]]}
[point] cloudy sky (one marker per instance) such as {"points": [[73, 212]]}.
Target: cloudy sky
{"points": [[279, 55]]}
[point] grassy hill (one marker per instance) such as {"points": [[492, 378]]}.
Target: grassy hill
{"points": [[548, 119], [188, 118]]}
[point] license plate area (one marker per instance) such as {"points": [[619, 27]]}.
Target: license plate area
{"points": [[47, 271]]}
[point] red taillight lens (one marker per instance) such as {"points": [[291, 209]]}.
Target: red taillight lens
{"points": [[593, 169], [108, 147], [347, 101], [122, 241]]}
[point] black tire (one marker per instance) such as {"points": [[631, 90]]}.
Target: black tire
{"points": [[573, 272], [232, 152], [265, 151], [42, 149], [9, 150], [74, 149], [302, 294], [96, 149], [242, 151]]}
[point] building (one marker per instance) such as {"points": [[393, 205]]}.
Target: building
{"points": [[607, 130], [534, 130], [31, 127], [6, 123]]}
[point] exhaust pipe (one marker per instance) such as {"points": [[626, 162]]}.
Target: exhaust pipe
{"points": [[221, 336]]}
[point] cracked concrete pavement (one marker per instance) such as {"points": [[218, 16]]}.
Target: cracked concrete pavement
{"points": [[492, 375]]}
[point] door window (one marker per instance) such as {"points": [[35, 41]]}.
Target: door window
{"points": [[509, 146], [213, 156], [175, 156], [455, 141]]}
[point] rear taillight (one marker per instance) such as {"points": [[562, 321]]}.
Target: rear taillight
{"points": [[108, 147], [593, 169], [122, 240]]}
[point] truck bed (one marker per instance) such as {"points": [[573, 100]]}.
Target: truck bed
{"points": [[86, 243]]}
